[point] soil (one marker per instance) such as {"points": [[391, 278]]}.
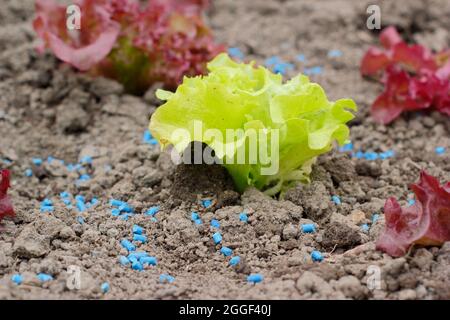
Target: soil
{"points": [[48, 109]]}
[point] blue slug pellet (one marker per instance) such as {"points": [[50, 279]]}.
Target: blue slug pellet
{"points": [[140, 237], [316, 256], [127, 245], [28, 173], [37, 161], [137, 229], [255, 278], [336, 200], [226, 251], [17, 279], [194, 216], [137, 255], [215, 223], [124, 261], [166, 278], [137, 266], [243, 217], [105, 287], [217, 237], [44, 277], [235, 261], [151, 261], [198, 221], [308, 228], [152, 211], [115, 212]]}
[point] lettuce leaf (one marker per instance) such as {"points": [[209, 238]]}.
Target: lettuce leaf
{"points": [[292, 122]]}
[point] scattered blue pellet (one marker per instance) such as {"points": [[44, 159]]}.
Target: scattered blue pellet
{"points": [[217, 237], [194, 216], [215, 223], [166, 278], [124, 261], [137, 229], [308, 228], [86, 160], [83, 178], [50, 159], [7, 161], [125, 216], [150, 261], [148, 138], [80, 220], [375, 218], [125, 207], [127, 245], [243, 217], [44, 277], [301, 58], [140, 237], [153, 219], [334, 53], [137, 255], [64, 194], [235, 52], [282, 67], [17, 279], [115, 202], [79, 197], [316, 256], [313, 70], [47, 202], [152, 211], [28, 173], [371, 156], [271, 61], [105, 287], [346, 147], [411, 202], [198, 221], [94, 201], [115, 212], [81, 206], [255, 278], [439, 150], [336, 200], [226, 251], [206, 203], [137, 266], [37, 161], [358, 155], [46, 206], [235, 261], [365, 227]]}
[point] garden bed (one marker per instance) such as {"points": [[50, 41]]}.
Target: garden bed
{"points": [[49, 110]]}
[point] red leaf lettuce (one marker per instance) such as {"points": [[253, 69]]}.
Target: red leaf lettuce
{"points": [[414, 77], [136, 45], [6, 208], [426, 222]]}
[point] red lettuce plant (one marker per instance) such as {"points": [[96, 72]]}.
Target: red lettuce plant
{"points": [[414, 77], [426, 222], [136, 45], [6, 208]]}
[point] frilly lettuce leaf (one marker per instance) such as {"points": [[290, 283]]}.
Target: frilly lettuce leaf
{"points": [[253, 99]]}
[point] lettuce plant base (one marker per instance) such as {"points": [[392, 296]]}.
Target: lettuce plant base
{"points": [[49, 110]]}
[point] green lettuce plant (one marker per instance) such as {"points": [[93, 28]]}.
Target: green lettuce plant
{"points": [[292, 122]]}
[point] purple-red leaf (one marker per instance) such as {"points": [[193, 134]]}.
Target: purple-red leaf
{"points": [[413, 76], [427, 222], [6, 208]]}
